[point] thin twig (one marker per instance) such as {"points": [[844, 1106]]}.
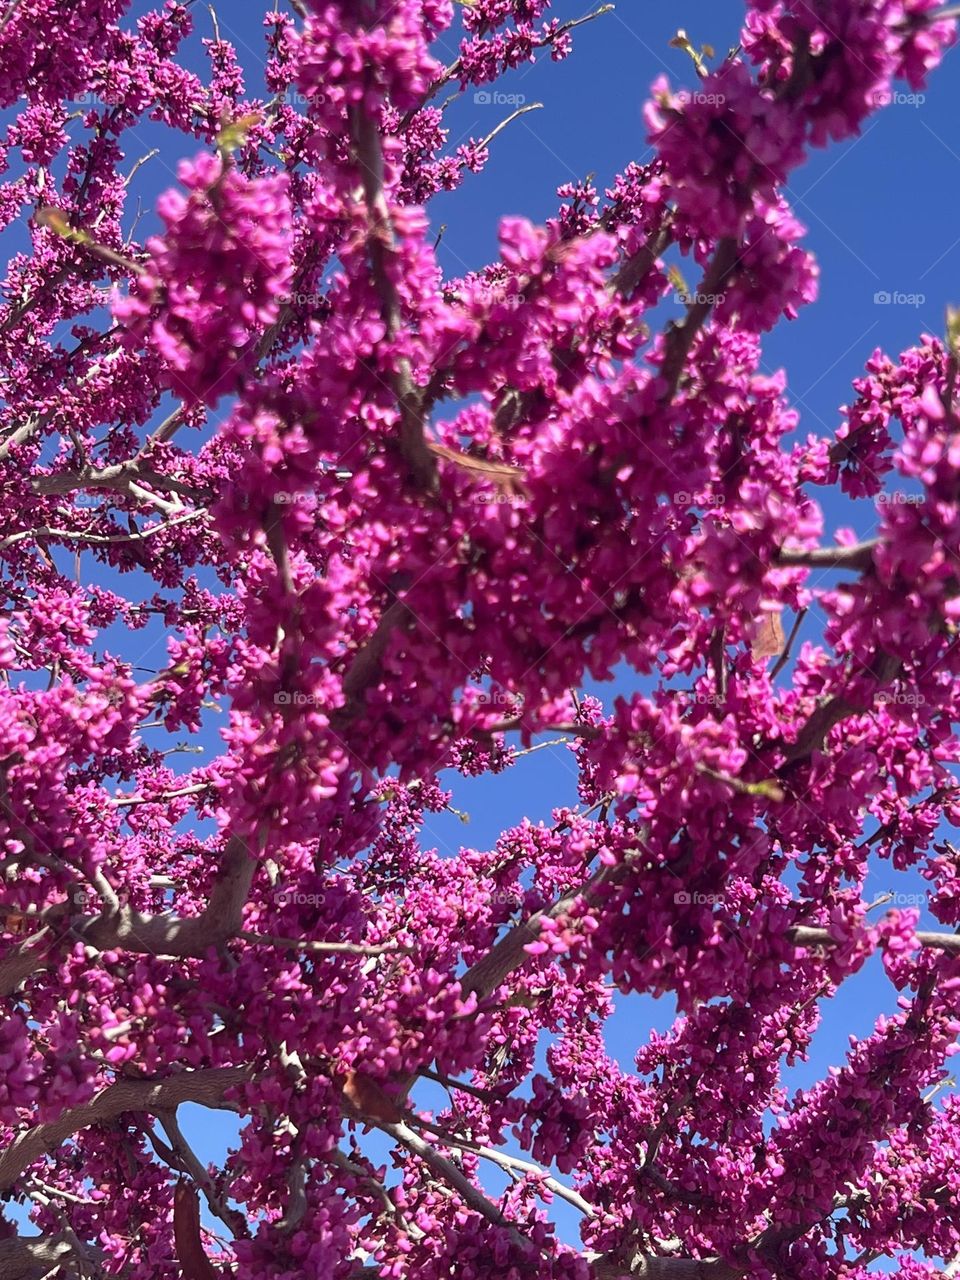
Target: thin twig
{"points": [[332, 948], [140, 163], [454, 69], [520, 111], [125, 802], [516, 725], [59, 1191], [541, 746], [784, 658], [526, 1166], [857, 556], [454, 1178], [73, 535]]}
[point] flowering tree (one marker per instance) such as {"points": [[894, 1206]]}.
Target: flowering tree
{"points": [[427, 512]]}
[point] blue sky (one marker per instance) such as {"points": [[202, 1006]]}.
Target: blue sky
{"points": [[881, 218]]}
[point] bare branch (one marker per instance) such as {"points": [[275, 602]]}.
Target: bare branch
{"points": [[808, 936], [139, 164], [366, 663], [938, 15], [166, 430], [520, 111], [526, 1166], [34, 1257], [231, 1218], [329, 948], [639, 1267], [21, 435], [859, 556], [297, 1202], [127, 802], [454, 1177], [784, 658], [588, 731]]}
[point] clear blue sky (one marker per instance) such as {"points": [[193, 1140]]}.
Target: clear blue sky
{"points": [[881, 218]]}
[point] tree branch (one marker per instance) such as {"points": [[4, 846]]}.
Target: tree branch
{"points": [[646, 1268], [37, 1257], [808, 936], [381, 246], [680, 337], [96, 539], [454, 1178], [526, 1166], [158, 935], [520, 111], [830, 713], [858, 556], [483, 977], [322, 948], [232, 1219], [451, 72], [206, 1088]]}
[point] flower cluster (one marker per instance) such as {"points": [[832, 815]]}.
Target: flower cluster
{"points": [[215, 281]]}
